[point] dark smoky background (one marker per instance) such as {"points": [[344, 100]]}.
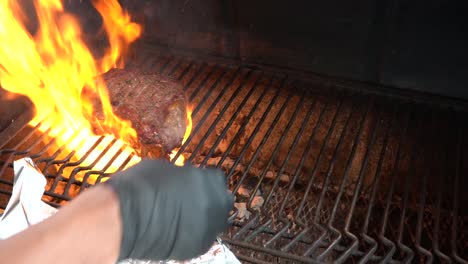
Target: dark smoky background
{"points": [[417, 45]]}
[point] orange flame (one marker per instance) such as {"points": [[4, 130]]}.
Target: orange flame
{"points": [[181, 160], [53, 66]]}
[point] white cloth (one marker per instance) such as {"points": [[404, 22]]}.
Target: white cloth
{"points": [[25, 207]]}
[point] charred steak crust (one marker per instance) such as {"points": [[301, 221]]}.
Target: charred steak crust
{"points": [[155, 105]]}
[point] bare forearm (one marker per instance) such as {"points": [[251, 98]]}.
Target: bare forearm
{"points": [[88, 230]]}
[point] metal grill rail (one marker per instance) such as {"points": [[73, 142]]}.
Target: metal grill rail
{"points": [[322, 174]]}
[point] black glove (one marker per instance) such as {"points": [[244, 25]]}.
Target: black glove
{"points": [[170, 212]]}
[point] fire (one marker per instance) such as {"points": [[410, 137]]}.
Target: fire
{"points": [[53, 66], [181, 160]]}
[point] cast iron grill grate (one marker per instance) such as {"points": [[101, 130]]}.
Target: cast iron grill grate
{"points": [[320, 174]]}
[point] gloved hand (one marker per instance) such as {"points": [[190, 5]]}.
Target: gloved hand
{"points": [[170, 212]]}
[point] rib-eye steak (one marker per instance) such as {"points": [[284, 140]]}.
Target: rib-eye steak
{"points": [[154, 104]]}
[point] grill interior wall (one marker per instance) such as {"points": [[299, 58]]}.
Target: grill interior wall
{"points": [[342, 174]]}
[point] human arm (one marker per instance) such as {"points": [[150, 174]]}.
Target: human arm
{"points": [[153, 210], [87, 230]]}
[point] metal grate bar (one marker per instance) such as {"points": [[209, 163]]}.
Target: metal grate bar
{"points": [[377, 176], [307, 152], [275, 121], [203, 119], [346, 230], [385, 241], [221, 114], [311, 180], [231, 120], [275, 152], [293, 147], [422, 202], [290, 189], [341, 175], [330, 169], [244, 125], [212, 71], [282, 169], [404, 203], [14, 152], [355, 242], [262, 177], [437, 212], [255, 156], [456, 190], [327, 181]]}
